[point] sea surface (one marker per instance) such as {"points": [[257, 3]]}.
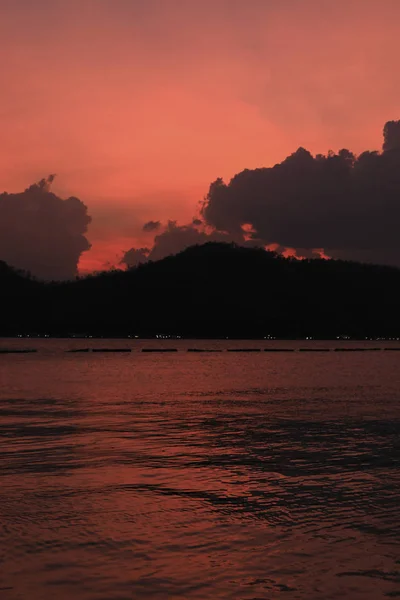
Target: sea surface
{"points": [[221, 475]]}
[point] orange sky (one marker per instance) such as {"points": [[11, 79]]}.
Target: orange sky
{"points": [[138, 105]]}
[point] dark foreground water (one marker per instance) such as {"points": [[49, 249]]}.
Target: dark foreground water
{"points": [[199, 476]]}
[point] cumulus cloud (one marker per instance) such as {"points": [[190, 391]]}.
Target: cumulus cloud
{"points": [[42, 233], [343, 205], [135, 257], [151, 226], [174, 238], [335, 205]]}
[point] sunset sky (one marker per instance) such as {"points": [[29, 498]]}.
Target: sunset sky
{"points": [[137, 105]]}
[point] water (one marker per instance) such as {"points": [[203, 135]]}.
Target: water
{"points": [[198, 476]]}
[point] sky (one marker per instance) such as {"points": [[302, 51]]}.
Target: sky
{"points": [[138, 105]]}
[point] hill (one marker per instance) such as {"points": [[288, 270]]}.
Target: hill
{"points": [[214, 290]]}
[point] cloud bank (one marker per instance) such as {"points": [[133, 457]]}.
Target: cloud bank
{"points": [[41, 233], [338, 204]]}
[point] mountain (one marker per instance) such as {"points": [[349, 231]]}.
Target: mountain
{"points": [[214, 290]]}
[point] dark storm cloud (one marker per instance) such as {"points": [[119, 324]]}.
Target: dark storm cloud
{"points": [[151, 226], [41, 233], [349, 206]]}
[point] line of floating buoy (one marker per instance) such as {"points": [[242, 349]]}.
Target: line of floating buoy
{"points": [[159, 349], [350, 349], [111, 349], [80, 350], [279, 349], [202, 350], [244, 349], [6, 351], [314, 350]]}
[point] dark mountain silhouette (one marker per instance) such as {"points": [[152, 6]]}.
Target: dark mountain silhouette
{"points": [[214, 290]]}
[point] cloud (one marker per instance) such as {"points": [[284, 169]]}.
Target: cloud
{"points": [[151, 226], [41, 233], [134, 257], [174, 238], [335, 205], [345, 206]]}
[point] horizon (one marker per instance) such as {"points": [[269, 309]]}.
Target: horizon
{"points": [[171, 238], [122, 267]]}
